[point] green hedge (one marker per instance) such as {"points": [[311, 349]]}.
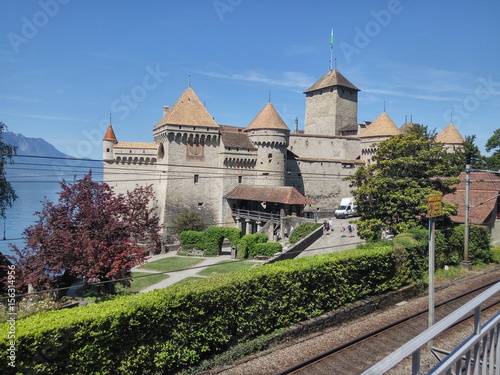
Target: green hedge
{"points": [[452, 251], [265, 249], [210, 240], [167, 329], [302, 231], [247, 242], [449, 247]]}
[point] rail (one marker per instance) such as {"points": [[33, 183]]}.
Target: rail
{"points": [[480, 349], [256, 215]]}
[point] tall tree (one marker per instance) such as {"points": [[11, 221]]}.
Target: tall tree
{"points": [[91, 234], [7, 193], [493, 144], [392, 193]]}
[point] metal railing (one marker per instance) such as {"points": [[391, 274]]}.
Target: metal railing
{"points": [[256, 215], [480, 353]]}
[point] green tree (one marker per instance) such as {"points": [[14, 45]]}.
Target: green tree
{"points": [[472, 153], [468, 154], [7, 193], [493, 144], [188, 218], [393, 192]]}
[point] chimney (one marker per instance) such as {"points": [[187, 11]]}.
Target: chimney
{"points": [[165, 109]]}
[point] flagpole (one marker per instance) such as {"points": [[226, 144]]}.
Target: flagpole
{"points": [[331, 50]]}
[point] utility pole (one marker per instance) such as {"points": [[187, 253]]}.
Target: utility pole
{"points": [[433, 211], [466, 263]]}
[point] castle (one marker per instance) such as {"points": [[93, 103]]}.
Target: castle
{"points": [[249, 176]]}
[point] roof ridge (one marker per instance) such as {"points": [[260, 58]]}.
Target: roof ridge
{"points": [[267, 118], [188, 110], [381, 126], [329, 79]]}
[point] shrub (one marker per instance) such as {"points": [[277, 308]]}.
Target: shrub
{"points": [[191, 239], [479, 246], [210, 241], [302, 231], [168, 329], [412, 246], [246, 243], [265, 249]]}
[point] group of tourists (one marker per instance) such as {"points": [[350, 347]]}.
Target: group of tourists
{"points": [[328, 227]]}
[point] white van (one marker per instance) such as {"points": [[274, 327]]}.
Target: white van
{"points": [[347, 208]]}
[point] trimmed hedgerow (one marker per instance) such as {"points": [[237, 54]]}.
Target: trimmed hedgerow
{"points": [[165, 330], [247, 242], [210, 240], [265, 249]]}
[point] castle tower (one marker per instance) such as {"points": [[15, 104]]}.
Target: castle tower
{"points": [[331, 104], [108, 142], [451, 138], [270, 134], [379, 130]]}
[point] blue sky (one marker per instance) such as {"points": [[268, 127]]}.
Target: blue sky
{"points": [[65, 65]]}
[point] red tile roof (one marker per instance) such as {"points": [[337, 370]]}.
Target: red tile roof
{"points": [[275, 194], [483, 195], [110, 134]]}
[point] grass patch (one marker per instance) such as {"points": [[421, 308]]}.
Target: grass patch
{"points": [[136, 285], [451, 273], [496, 254], [225, 267], [171, 264], [188, 280]]}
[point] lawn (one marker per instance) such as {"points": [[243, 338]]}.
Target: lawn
{"points": [[170, 264], [226, 266], [136, 285]]}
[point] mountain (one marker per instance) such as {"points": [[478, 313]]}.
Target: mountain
{"points": [[32, 146], [38, 158]]}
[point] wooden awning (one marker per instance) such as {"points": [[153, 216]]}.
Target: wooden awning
{"points": [[274, 194]]}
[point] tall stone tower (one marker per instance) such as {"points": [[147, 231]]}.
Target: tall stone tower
{"points": [[269, 133], [331, 104]]}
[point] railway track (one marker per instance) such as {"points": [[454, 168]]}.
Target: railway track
{"points": [[359, 354]]}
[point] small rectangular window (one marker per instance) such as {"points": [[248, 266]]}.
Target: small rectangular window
{"points": [[240, 179], [196, 178]]}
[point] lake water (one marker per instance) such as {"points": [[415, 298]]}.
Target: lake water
{"points": [[22, 213], [33, 183]]}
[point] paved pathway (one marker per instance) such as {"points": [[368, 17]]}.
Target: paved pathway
{"points": [[333, 241], [179, 275], [329, 242]]}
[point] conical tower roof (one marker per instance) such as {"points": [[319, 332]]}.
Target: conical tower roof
{"points": [[188, 110], [405, 128], [381, 126], [110, 135], [450, 134], [268, 118], [330, 79]]}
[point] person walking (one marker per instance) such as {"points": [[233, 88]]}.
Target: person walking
{"points": [[330, 223], [350, 228], [342, 229]]}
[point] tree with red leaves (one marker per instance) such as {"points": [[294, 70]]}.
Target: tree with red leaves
{"points": [[90, 234]]}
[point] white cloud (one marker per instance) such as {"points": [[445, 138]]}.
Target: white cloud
{"points": [[287, 79]]}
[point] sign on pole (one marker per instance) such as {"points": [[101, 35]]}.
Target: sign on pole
{"points": [[434, 205]]}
